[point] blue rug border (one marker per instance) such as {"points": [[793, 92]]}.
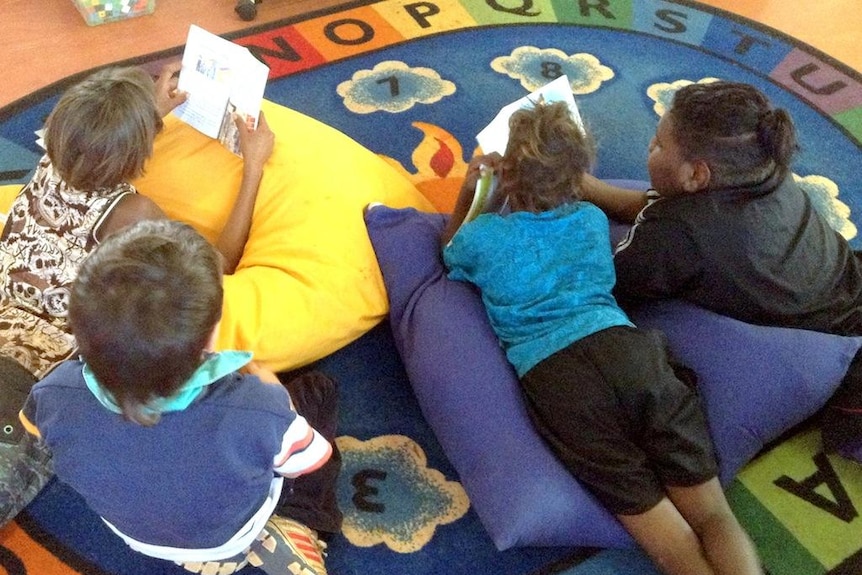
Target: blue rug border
{"points": [[55, 89]]}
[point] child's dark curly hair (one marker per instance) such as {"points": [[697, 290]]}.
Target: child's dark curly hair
{"points": [[733, 127], [546, 157], [142, 308]]}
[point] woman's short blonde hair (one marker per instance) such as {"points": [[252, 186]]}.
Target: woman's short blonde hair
{"points": [[101, 131]]}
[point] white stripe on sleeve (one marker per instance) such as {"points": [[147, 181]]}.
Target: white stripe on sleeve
{"points": [[303, 450]]}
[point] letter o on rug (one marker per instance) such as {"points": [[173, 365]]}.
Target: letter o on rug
{"points": [[756, 382]]}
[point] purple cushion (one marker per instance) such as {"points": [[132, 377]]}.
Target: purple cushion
{"points": [[853, 452], [756, 382], [470, 397]]}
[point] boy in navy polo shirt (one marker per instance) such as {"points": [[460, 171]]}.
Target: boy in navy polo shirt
{"points": [[181, 454]]}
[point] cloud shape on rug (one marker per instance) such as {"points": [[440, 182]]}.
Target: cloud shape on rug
{"points": [[663, 92], [534, 67], [394, 87], [389, 495], [824, 195]]}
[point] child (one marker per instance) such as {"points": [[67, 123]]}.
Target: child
{"points": [[98, 137], [727, 228], [600, 392], [197, 451]]}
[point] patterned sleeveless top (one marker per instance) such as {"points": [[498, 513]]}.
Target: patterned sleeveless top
{"points": [[49, 231]]}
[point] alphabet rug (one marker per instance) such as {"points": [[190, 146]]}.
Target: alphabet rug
{"points": [[414, 81]]}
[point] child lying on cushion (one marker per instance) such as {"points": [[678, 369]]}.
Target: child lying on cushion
{"points": [[98, 137], [600, 392], [197, 451], [726, 227]]}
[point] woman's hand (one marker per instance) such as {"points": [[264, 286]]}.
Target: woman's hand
{"points": [[474, 169], [255, 144], [167, 95], [468, 189]]}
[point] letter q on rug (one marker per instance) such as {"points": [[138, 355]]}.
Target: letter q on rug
{"points": [[756, 382]]}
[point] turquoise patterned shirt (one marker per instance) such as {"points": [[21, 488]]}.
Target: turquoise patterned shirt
{"points": [[545, 278]]}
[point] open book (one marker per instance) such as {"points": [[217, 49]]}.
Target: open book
{"points": [[221, 78], [495, 136]]}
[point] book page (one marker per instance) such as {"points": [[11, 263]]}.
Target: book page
{"points": [[221, 78], [495, 136]]}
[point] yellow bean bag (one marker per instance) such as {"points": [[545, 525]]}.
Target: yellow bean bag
{"points": [[7, 194], [308, 281]]}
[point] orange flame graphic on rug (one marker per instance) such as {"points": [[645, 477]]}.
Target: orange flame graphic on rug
{"points": [[440, 166]]}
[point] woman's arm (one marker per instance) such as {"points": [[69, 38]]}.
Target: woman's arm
{"points": [[129, 209], [256, 146], [465, 196], [619, 204]]}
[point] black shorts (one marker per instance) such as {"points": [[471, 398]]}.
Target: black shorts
{"points": [[613, 411]]}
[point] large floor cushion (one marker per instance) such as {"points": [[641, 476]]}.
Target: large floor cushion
{"points": [[7, 194], [308, 281], [756, 382]]}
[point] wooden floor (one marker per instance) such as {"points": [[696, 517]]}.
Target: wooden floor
{"points": [[51, 40]]}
